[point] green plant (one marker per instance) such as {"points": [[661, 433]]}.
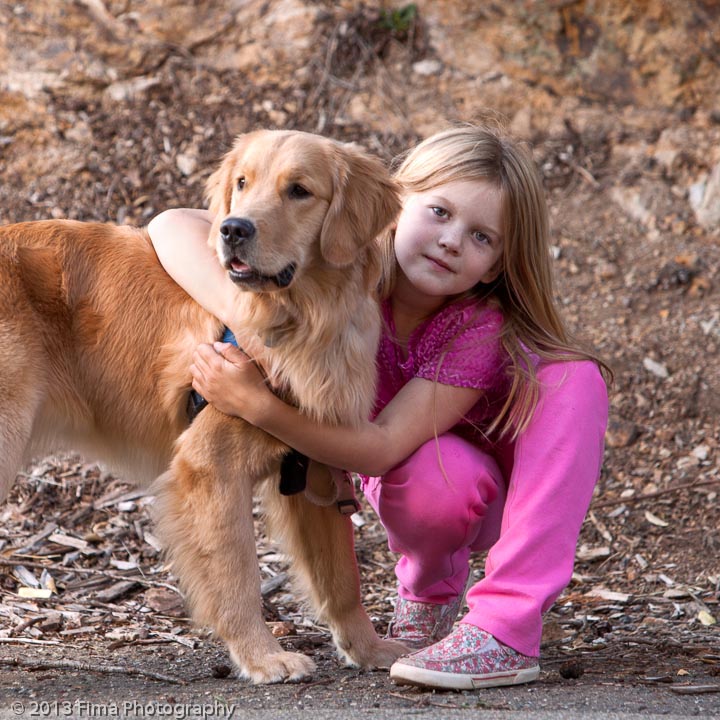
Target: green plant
{"points": [[398, 20]]}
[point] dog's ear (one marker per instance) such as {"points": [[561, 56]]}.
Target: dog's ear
{"points": [[219, 186], [365, 201]]}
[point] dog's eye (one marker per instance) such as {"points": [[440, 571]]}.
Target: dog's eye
{"points": [[240, 183], [298, 192]]}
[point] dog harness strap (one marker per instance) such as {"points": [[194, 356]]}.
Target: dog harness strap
{"points": [[293, 472], [196, 402], [294, 465], [347, 503]]}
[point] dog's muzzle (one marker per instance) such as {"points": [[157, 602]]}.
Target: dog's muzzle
{"points": [[235, 233]]}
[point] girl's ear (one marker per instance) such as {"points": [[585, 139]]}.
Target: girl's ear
{"points": [[365, 199]]}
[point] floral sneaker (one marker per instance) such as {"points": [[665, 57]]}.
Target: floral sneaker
{"points": [[466, 659], [419, 624]]}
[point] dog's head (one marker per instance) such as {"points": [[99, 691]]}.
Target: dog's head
{"points": [[287, 201]]}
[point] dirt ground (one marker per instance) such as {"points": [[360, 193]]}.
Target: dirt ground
{"points": [[115, 110]]}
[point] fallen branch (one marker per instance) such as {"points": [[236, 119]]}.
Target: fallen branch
{"points": [[695, 689], [87, 667], [650, 496]]}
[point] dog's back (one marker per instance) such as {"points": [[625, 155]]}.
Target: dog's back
{"points": [[85, 311]]}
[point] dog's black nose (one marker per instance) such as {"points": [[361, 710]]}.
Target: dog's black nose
{"points": [[236, 231]]}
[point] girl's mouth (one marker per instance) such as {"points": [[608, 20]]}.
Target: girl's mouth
{"points": [[439, 263]]}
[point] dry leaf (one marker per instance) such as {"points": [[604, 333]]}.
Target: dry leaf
{"points": [[282, 629], [655, 520], [48, 581], [706, 618]]}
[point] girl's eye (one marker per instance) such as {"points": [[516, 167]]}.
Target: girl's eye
{"points": [[240, 183], [481, 237], [298, 192], [440, 212]]}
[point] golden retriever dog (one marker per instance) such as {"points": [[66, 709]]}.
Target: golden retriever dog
{"points": [[95, 345]]}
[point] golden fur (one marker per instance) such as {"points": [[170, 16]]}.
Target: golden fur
{"points": [[95, 345]]}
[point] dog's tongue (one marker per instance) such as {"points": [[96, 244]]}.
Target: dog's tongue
{"points": [[238, 266]]}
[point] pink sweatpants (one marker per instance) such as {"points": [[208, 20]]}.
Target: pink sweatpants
{"points": [[436, 514]]}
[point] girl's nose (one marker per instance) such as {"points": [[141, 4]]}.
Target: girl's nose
{"points": [[450, 240]]}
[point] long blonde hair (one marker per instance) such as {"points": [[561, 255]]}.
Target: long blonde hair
{"points": [[524, 290]]}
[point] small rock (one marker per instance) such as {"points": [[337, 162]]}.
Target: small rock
{"points": [[126, 635], [186, 163], [705, 199], [571, 670], [701, 452], [621, 433], [427, 67], [656, 368], [606, 270], [128, 90]]}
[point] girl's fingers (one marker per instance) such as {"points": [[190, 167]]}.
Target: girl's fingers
{"points": [[230, 352]]}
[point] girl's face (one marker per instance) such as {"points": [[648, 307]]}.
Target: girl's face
{"points": [[449, 238]]}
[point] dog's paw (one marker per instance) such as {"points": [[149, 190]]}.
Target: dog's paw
{"points": [[275, 667], [379, 654]]}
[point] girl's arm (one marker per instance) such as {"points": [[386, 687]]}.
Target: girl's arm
{"points": [[229, 380], [180, 239]]}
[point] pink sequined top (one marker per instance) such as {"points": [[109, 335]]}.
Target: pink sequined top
{"points": [[458, 346]]}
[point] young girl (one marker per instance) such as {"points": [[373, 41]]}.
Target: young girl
{"points": [[489, 421]]}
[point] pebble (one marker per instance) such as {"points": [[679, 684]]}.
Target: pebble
{"points": [[427, 67], [621, 433], [656, 368]]}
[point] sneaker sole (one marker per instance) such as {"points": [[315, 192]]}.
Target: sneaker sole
{"points": [[404, 674]]}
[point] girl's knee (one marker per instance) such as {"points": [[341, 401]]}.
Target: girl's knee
{"points": [[440, 484]]}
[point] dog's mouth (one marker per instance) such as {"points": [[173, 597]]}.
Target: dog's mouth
{"points": [[242, 274]]}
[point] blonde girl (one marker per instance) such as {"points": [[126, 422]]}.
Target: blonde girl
{"points": [[489, 420]]}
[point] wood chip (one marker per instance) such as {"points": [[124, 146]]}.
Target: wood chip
{"points": [[116, 591], [69, 541], [31, 592], [588, 554], [609, 595], [165, 602]]}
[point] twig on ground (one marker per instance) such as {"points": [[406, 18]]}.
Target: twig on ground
{"points": [[28, 641], [87, 667]]}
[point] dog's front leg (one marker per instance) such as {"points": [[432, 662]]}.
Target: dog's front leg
{"points": [[319, 541], [204, 515]]}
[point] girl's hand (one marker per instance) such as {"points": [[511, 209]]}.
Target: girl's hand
{"points": [[227, 378]]}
